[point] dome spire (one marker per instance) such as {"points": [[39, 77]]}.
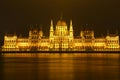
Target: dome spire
{"points": [[61, 16]]}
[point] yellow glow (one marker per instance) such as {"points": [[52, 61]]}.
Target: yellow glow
{"points": [[61, 38], [23, 44]]}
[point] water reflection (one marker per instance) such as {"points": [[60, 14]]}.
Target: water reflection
{"points": [[59, 66]]}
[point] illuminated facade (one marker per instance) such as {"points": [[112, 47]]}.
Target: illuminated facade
{"points": [[60, 38]]}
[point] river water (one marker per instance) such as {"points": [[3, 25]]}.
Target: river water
{"points": [[60, 66]]}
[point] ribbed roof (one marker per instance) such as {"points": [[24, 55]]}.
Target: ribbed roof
{"points": [[61, 23]]}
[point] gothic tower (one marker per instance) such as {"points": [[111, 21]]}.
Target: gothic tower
{"points": [[51, 30], [71, 30]]}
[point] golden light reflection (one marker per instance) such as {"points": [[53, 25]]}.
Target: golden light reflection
{"points": [[64, 55], [62, 65]]}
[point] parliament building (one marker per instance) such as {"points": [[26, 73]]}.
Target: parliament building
{"points": [[61, 37]]}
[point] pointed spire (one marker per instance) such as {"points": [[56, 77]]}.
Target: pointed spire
{"points": [[51, 22], [71, 26], [14, 34], [71, 23], [71, 29], [20, 35], [51, 27], [41, 33], [40, 28], [116, 32], [30, 27], [107, 32], [102, 35], [61, 16]]}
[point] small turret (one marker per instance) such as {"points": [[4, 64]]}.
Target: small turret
{"points": [[41, 32], [108, 33], [30, 32], [116, 32]]}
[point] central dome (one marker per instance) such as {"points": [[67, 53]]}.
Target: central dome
{"points": [[61, 28], [61, 23]]}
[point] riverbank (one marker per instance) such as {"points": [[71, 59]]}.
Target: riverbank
{"points": [[59, 51]]}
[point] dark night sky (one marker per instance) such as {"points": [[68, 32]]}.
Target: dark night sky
{"points": [[15, 15]]}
